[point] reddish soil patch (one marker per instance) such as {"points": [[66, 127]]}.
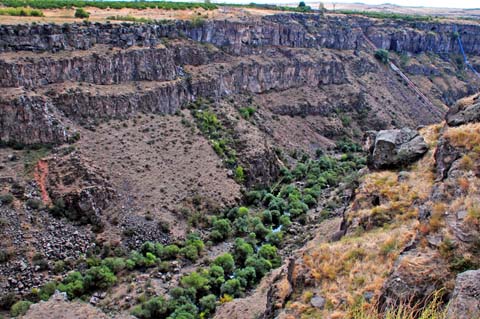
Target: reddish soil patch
{"points": [[40, 174]]}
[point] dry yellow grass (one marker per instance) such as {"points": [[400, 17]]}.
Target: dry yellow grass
{"points": [[465, 136], [346, 269], [466, 101]]}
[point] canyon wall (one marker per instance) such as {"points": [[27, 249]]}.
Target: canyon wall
{"points": [[242, 37], [83, 73]]}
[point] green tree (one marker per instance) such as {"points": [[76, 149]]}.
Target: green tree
{"points": [[221, 229], [261, 265], [196, 281], [81, 13], [382, 55], [226, 262], [246, 276], [73, 285], [270, 253], [156, 307], [99, 277], [208, 303], [232, 287], [241, 251]]}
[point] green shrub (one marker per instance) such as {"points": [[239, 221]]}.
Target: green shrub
{"points": [[226, 262], [190, 252], [100, 277], [382, 55], [270, 253], [21, 11], [73, 285], [247, 112], [267, 217], [47, 290], [275, 238], [246, 276], [285, 220], [208, 303], [260, 230], [6, 199], [131, 18], [239, 174], [81, 13], [216, 277], [115, 264], [34, 203], [20, 308], [156, 307], [197, 21], [254, 197], [196, 281], [241, 251], [221, 229], [261, 265], [148, 247], [232, 287]]}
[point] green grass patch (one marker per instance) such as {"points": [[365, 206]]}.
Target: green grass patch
{"points": [[130, 18], [21, 11], [58, 4], [386, 15]]}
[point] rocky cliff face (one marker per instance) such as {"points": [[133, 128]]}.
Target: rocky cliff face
{"points": [[242, 37], [119, 69]]}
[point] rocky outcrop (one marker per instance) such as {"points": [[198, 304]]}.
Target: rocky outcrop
{"points": [[31, 119], [77, 189], [459, 115], [394, 148], [465, 301], [108, 67], [445, 156], [58, 307]]}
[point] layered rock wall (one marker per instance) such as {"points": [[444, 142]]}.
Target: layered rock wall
{"points": [[242, 37]]}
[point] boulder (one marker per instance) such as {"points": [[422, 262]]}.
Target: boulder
{"points": [[460, 115], [465, 302], [395, 148], [318, 302]]}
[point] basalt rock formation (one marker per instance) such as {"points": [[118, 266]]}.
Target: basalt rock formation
{"points": [[147, 63], [394, 148]]}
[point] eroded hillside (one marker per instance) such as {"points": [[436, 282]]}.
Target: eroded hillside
{"points": [[163, 169]]}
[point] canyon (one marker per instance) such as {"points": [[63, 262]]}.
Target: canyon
{"points": [[118, 134]]}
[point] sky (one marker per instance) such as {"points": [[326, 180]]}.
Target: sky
{"points": [[425, 3]]}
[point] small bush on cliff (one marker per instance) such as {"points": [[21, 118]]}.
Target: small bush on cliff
{"points": [[382, 55], [247, 112], [239, 174], [81, 13]]}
